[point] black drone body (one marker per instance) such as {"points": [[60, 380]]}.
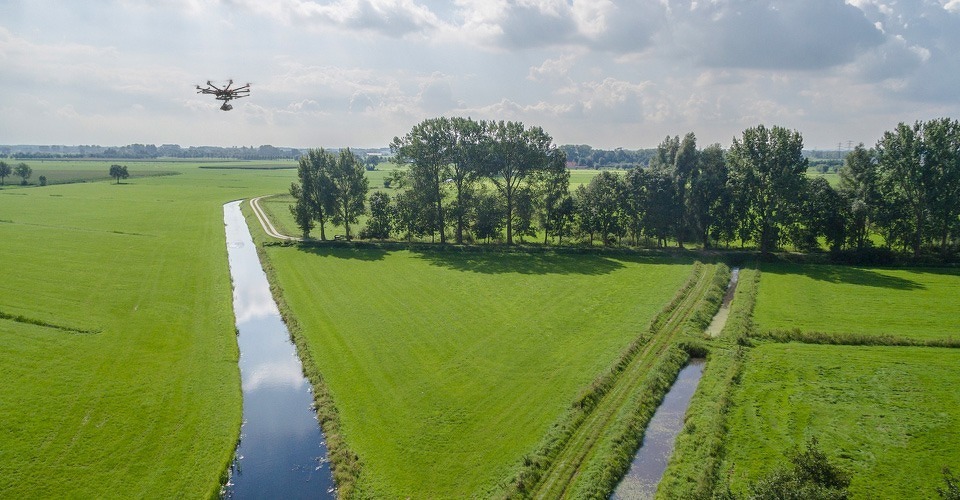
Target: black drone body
{"points": [[225, 94]]}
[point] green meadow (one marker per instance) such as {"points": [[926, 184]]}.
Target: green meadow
{"points": [[116, 333], [919, 303], [447, 366], [890, 416]]}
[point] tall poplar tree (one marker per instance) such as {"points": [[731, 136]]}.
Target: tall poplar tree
{"points": [[349, 186], [768, 167]]}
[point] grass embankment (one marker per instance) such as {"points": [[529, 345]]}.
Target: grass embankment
{"points": [[447, 366], [588, 450], [117, 338]]}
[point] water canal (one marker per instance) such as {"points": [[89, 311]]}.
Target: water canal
{"points": [[654, 453], [281, 453]]}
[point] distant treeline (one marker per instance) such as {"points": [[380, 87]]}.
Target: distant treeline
{"points": [[151, 151], [482, 181], [578, 155]]}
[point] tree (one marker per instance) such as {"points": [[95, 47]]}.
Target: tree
{"points": [[635, 201], [941, 155], [23, 171], [5, 171], [43, 180], [860, 191], [768, 166], [604, 195], [822, 213], [811, 476], [904, 184], [684, 167], [379, 225], [302, 214], [551, 187], [661, 200], [489, 217], [429, 147], [314, 194], [119, 172], [467, 156], [349, 189], [408, 215], [586, 213], [514, 153], [707, 197]]}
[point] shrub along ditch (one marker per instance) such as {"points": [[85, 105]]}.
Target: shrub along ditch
{"points": [[797, 335]]}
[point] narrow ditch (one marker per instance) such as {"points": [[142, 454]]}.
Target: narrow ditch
{"points": [[281, 453], [720, 319], [654, 453], [646, 470]]}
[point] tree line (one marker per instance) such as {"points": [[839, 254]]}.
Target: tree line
{"points": [[21, 170], [495, 180]]}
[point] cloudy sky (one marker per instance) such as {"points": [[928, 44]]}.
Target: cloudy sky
{"points": [[609, 73]]}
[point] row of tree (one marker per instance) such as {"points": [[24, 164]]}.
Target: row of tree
{"points": [[486, 180], [21, 170]]}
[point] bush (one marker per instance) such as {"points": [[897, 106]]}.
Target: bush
{"points": [[811, 477], [951, 490]]}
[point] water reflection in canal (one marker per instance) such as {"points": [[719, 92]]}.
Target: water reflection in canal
{"points": [[281, 453], [654, 453]]}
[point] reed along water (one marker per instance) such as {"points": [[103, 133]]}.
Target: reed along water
{"points": [[282, 453]]}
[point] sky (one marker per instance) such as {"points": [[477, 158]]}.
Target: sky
{"points": [[608, 73]]}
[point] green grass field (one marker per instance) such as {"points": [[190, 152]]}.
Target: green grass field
{"points": [[888, 415], [148, 403], [447, 367], [918, 303]]}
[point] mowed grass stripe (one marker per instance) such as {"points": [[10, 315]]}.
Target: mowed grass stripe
{"points": [[918, 303], [447, 367], [888, 415]]}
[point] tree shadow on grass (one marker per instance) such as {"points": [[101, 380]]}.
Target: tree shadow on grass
{"points": [[353, 252], [522, 263], [848, 275]]}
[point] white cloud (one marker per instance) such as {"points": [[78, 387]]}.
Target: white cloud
{"points": [[552, 69], [391, 18]]}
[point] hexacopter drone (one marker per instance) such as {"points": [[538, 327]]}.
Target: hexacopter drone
{"points": [[225, 94]]}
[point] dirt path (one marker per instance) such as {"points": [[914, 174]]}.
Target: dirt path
{"points": [[265, 221]]}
